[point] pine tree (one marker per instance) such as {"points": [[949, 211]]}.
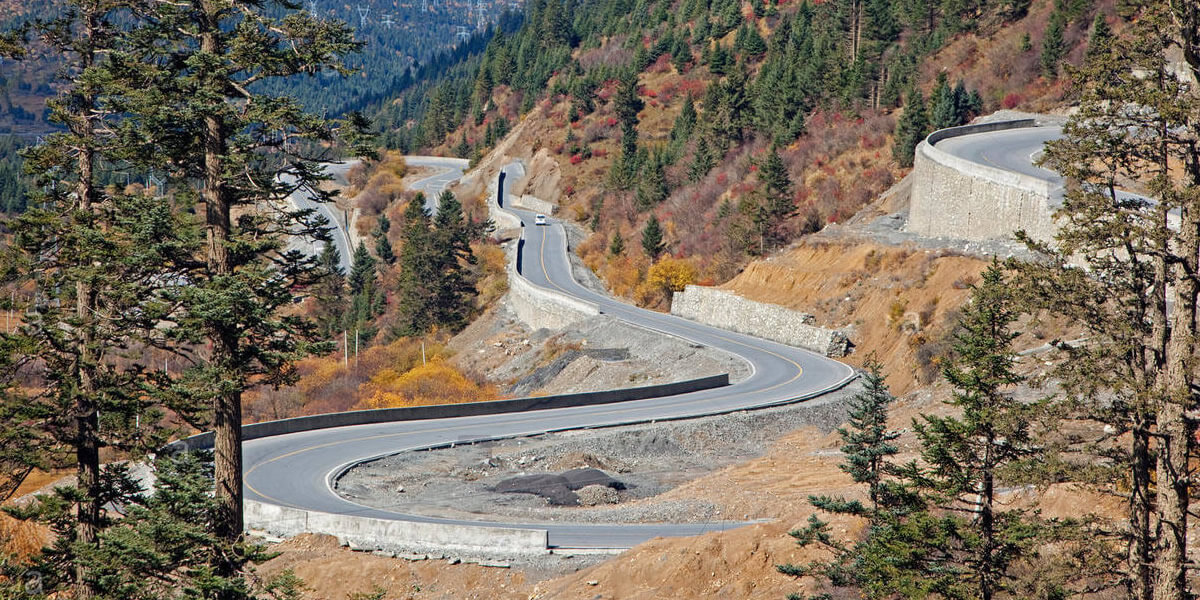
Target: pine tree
{"points": [[944, 111], [702, 161], [162, 547], [1100, 36], [383, 248], [99, 263], [366, 301], [749, 41], [1139, 264], [362, 270], [419, 269], [965, 455], [653, 189], [329, 293], [455, 284], [867, 444], [911, 130], [463, 148], [1053, 47], [617, 246], [652, 238], [773, 204], [195, 69], [685, 123], [962, 104], [627, 104]]}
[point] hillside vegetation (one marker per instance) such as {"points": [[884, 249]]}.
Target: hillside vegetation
{"points": [[689, 137]]}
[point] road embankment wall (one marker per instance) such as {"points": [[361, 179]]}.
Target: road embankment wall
{"points": [[956, 198], [534, 204], [538, 307], [727, 310], [393, 535]]}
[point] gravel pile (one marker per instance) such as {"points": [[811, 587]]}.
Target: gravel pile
{"points": [[559, 489]]}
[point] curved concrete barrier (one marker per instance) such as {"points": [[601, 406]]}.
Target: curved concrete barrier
{"points": [[395, 535], [957, 198], [1017, 180], [442, 411]]}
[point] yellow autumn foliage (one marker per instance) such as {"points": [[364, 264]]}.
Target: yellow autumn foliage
{"points": [[432, 383], [672, 274]]}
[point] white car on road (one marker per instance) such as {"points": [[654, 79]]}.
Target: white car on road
{"points": [[539, 220]]}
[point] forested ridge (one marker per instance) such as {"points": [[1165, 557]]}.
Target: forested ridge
{"points": [[399, 40]]}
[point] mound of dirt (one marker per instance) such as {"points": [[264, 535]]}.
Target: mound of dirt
{"points": [[583, 460], [594, 495]]}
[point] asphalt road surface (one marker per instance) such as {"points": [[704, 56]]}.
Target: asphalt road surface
{"points": [[304, 199], [295, 470], [449, 171], [1009, 150]]}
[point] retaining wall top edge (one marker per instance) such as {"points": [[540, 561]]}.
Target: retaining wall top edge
{"points": [[928, 148]]}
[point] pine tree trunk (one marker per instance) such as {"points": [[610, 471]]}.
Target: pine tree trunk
{"points": [[86, 411], [855, 28], [87, 418], [987, 524], [1174, 430], [1139, 510], [1175, 433], [227, 406]]}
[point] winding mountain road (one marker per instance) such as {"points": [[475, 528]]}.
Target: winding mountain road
{"points": [[449, 170], [298, 470], [1013, 150]]}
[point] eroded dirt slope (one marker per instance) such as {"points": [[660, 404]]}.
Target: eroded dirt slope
{"points": [[895, 302]]}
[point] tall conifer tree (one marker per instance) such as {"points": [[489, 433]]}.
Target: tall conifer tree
{"points": [[198, 66]]}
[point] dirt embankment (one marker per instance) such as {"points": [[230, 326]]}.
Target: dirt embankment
{"points": [[597, 354], [895, 302]]}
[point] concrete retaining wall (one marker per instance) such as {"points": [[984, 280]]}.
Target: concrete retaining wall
{"points": [[544, 309], [535, 204], [727, 310], [538, 307], [957, 198], [386, 534]]}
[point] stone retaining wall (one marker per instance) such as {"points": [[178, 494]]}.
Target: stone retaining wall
{"points": [[727, 310], [956, 198]]}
